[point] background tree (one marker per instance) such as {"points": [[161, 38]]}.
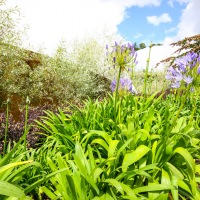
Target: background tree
{"points": [[13, 66], [142, 45], [136, 46], [9, 18], [67, 75]]}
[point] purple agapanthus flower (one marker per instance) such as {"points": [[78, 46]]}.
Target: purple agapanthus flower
{"points": [[124, 84], [168, 76], [123, 55], [198, 59], [178, 77], [188, 79], [190, 59], [113, 85], [183, 69], [191, 56], [174, 74], [198, 70], [171, 70], [181, 63], [176, 84]]}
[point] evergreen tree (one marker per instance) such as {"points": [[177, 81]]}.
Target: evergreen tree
{"points": [[142, 45]]}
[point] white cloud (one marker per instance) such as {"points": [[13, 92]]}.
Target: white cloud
{"points": [[156, 20], [129, 3], [183, 1], [189, 21], [52, 20], [171, 3], [158, 53]]}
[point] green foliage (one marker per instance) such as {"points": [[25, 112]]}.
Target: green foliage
{"points": [[8, 29], [65, 76], [146, 155], [74, 72], [12, 169], [149, 154], [142, 45]]}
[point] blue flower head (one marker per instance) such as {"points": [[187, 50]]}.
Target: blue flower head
{"points": [[123, 55], [182, 72], [125, 84], [198, 70]]}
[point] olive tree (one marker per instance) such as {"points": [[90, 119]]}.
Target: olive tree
{"points": [[9, 18], [10, 37]]}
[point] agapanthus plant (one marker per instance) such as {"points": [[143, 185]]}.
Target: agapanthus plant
{"points": [[123, 58], [185, 72]]}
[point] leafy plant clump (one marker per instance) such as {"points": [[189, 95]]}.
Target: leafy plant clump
{"points": [[139, 157]]}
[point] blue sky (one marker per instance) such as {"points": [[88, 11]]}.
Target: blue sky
{"points": [[136, 28]]}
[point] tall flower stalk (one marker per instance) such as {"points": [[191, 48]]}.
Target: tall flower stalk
{"points": [[125, 86], [147, 71], [122, 57]]}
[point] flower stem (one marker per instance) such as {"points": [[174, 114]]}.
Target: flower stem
{"points": [[146, 72], [116, 94]]}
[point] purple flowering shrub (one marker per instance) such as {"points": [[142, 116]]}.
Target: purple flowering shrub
{"points": [[185, 72]]}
